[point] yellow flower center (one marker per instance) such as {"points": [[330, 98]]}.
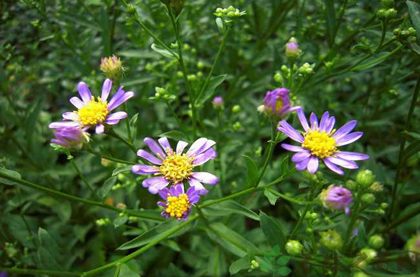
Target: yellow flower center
{"points": [[320, 144], [176, 167], [94, 112], [177, 206], [279, 104]]}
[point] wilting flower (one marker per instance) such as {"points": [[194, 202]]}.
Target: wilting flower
{"points": [[97, 112], [336, 198], [292, 49], [218, 102], [321, 141], [175, 166], [112, 67], [69, 136], [277, 102], [177, 202]]}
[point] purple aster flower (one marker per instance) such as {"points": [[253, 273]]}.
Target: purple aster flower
{"points": [[97, 112], [176, 166], [278, 102], [177, 202], [3, 274], [69, 136], [336, 198], [321, 141], [218, 102]]}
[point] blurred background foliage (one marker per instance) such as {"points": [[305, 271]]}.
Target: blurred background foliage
{"points": [[47, 47]]}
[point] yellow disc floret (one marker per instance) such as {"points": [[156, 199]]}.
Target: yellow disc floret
{"points": [[94, 112], [177, 206], [176, 167], [320, 144]]}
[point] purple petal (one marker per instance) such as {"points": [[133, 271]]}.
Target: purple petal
{"points": [[160, 203], [100, 129], [347, 139], [292, 148], [181, 146], [303, 164], [345, 129], [300, 156], [330, 125], [165, 145], [116, 96], [149, 157], [324, 121], [155, 184], [120, 100], [303, 120], [197, 186], [196, 146], [342, 163], [77, 102], [290, 131], [84, 92], [351, 156], [115, 118], [61, 124], [164, 193], [154, 147], [142, 169], [314, 121], [205, 177], [106, 89], [70, 116], [333, 167], [313, 164], [204, 157], [210, 143]]}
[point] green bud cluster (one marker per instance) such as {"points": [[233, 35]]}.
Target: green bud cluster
{"points": [[103, 221], [405, 35], [162, 93], [386, 14], [230, 12], [237, 126], [254, 265], [306, 68]]}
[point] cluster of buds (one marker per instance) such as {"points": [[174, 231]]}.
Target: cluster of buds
{"points": [[331, 239], [112, 68], [254, 265], [163, 94], [407, 35], [294, 248], [103, 221], [230, 12], [385, 14], [306, 68]]}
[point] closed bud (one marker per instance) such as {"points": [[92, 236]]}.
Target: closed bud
{"points": [[131, 9], [278, 78], [236, 109], [390, 13], [351, 185], [192, 77], [368, 198], [384, 205], [254, 265], [370, 253], [331, 239], [200, 65], [294, 248], [411, 30], [381, 13], [237, 126], [292, 49], [218, 102], [376, 187], [376, 241], [365, 178]]}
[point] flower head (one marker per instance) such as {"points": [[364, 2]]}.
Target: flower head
{"points": [[95, 112], [292, 49], [178, 202], [277, 102], [218, 102], [112, 67], [321, 141], [175, 166], [69, 136], [336, 198]]}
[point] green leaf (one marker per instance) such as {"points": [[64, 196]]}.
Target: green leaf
{"points": [[217, 263], [414, 10], [375, 60], [121, 169], [272, 198], [229, 239], [229, 207], [220, 26], [413, 135], [252, 172], [106, 187], [331, 21], [156, 232], [241, 264], [48, 251], [272, 231], [211, 87], [412, 149], [126, 271], [415, 47], [283, 260], [139, 81], [120, 220], [163, 52], [284, 271], [10, 173]]}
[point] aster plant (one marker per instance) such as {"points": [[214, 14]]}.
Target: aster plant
{"points": [[320, 141]]}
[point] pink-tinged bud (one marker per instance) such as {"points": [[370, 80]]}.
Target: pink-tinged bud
{"points": [[112, 67], [70, 137], [292, 49], [277, 102], [336, 198], [218, 102]]}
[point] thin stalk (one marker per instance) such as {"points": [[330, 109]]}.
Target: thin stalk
{"points": [[39, 272], [383, 24], [113, 134], [90, 150], [139, 251], [85, 181], [273, 142], [178, 121], [354, 216], [291, 199], [402, 147], [117, 270], [402, 219], [127, 125], [219, 52], [69, 197], [184, 71]]}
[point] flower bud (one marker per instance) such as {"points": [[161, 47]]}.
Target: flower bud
{"points": [[336, 198], [370, 253], [112, 67], [351, 185], [294, 248], [292, 49], [384, 205], [122, 206], [200, 65], [237, 126], [218, 102], [69, 137], [365, 178], [368, 198], [331, 239], [236, 109], [254, 265], [131, 9], [381, 13], [278, 78], [376, 241], [277, 102], [376, 187], [192, 77], [390, 13], [106, 162]]}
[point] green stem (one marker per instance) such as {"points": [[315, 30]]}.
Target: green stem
{"points": [[139, 251], [39, 272], [292, 199], [113, 134], [354, 216], [273, 142], [184, 70], [69, 197], [90, 150], [382, 37], [127, 125], [219, 52], [85, 181], [402, 147], [178, 121], [402, 219], [117, 270]]}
